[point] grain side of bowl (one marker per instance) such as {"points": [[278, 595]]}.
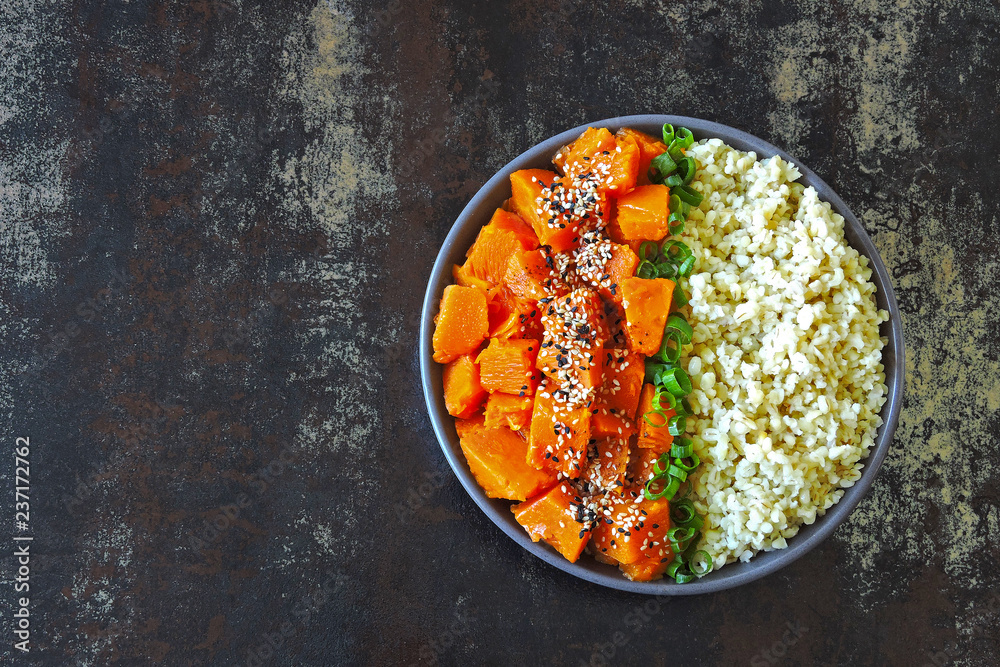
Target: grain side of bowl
{"points": [[786, 360]]}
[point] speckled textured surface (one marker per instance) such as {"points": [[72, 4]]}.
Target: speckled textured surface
{"points": [[216, 223]]}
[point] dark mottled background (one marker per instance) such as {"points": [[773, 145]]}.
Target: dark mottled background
{"points": [[216, 224]]}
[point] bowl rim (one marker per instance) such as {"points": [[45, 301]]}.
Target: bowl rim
{"points": [[471, 219]]}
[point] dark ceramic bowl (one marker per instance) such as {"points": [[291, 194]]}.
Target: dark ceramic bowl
{"points": [[464, 232]]}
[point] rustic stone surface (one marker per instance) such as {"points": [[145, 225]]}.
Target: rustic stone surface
{"points": [[216, 224]]}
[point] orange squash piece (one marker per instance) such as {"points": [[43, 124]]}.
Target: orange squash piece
{"points": [[552, 517], [621, 385], [463, 393], [643, 213], [622, 265], [636, 526], [526, 187], [508, 366], [647, 305], [640, 464], [649, 147], [653, 436], [608, 468], [614, 165], [508, 410], [559, 434], [464, 426], [505, 235], [496, 457], [461, 324], [464, 278], [530, 276]]}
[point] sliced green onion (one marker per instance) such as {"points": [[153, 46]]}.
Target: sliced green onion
{"points": [[680, 537], [675, 225], [680, 296], [664, 164], [681, 448], [677, 473], [686, 266], [677, 425], [668, 134], [678, 322], [646, 269], [684, 138], [679, 462], [677, 382], [686, 169], [649, 250], [670, 347], [687, 195], [659, 397], [682, 512], [666, 270], [674, 180], [659, 413], [675, 151], [682, 251], [670, 486], [706, 563], [672, 570]]}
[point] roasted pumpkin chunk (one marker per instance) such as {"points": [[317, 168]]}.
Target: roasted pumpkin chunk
{"points": [[505, 235], [496, 457], [508, 366], [509, 410], [553, 517], [649, 147], [461, 324], [643, 213], [647, 305], [463, 392], [633, 528], [559, 433]]}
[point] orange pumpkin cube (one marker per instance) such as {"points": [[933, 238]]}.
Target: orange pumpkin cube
{"points": [[560, 432], [496, 457], [461, 324], [609, 466], [621, 385], [634, 530], [508, 410], [463, 392], [505, 235], [553, 517], [649, 147], [596, 155], [508, 366], [529, 187], [642, 214], [531, 276], [647, 306]]}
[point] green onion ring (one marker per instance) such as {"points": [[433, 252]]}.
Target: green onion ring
{"points": [[668, 134], [677, 425], [649, 250], [679, 323], [663, 164], [671, 354], [688, 195], [679, 462], [707, 563], [677, 382], [681, 448], [646, 269]]}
